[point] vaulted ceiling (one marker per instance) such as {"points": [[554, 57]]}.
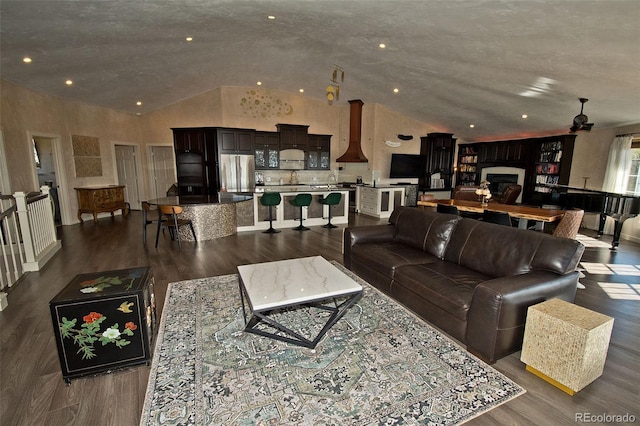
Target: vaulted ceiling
{"points": [[454, 63]]}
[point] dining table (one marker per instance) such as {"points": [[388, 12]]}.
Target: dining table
{"points": [[517, 211]]}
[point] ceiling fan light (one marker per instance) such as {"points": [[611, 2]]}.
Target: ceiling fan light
{"points": [[581, 121]]}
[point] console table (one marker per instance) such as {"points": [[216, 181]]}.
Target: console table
{"points": [[100, 199]]}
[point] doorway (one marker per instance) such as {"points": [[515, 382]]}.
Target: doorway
{"points": [[5, 188], [45, 160], [163, 170], [127, 168]]}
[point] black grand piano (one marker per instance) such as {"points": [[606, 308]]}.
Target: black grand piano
{"points": [[618, 206]]}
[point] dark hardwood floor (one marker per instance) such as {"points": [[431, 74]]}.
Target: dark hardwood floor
{"points": [[34, 393]]}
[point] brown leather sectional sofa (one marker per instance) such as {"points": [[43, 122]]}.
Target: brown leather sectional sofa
{"points": [[471, 279]]}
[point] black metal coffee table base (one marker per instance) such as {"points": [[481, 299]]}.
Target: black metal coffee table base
{"points": [[257, 317]]}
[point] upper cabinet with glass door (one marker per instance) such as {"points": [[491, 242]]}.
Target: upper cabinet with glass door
{"points": [[267, 150], [319, 152]]}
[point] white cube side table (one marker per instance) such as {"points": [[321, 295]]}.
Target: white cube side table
{"points": [[565, 344]]}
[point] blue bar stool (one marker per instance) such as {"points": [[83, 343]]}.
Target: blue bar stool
{"points": [[301, 200], [270, 199], [330, 200]]}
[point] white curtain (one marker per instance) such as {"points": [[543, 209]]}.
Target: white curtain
{"points": [[617, 172]]}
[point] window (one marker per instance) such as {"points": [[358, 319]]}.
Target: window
{"points": [[633, 184]]}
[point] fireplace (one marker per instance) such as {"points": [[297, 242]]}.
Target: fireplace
{"points": [[497, 182]]}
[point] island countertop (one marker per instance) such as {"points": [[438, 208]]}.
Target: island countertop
{"points": [[313, 188], [218, 198]]}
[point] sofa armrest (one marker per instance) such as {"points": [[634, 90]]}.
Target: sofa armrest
{"points": [[498, 311], [364, 234]]}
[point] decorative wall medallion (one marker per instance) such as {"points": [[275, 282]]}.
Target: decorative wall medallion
{"points": [[263, 104]]}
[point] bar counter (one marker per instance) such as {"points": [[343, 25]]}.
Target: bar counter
{"points": [[213, 216]]}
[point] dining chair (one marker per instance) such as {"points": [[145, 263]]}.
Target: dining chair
{"points": [[446, 208], [569, 225], [465, 192], [509, 194], [173, 222], [147, 211], [499, 218]]}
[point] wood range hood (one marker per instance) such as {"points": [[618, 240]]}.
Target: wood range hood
{"points": [[354, 153]]}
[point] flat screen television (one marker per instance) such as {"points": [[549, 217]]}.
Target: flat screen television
{"points": [[406, 166]]}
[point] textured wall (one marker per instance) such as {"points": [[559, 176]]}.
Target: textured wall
{"points": [[26, 112]]}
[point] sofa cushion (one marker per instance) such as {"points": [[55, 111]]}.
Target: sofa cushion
{"points": [[500, 251], [444, 284], [424, 230], [385, 257]]}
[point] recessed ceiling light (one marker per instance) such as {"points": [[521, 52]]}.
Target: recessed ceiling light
{"points": [[189, 38], [382, 45], [396, 90], [259, 83], [524, 116], [271, 17], [68, 82], [26, 60], [139, 103], [472, 125], [301, 90]]}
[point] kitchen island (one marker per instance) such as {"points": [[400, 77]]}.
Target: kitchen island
{"points": [[213, 216], [379, 201], [285, 215]]}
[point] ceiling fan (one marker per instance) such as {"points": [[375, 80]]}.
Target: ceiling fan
{"points": [[580, 120]]}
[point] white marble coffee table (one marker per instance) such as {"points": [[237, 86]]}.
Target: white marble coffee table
{"points": [[307, 281]]}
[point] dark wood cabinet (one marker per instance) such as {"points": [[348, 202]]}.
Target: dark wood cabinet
{"points": [[235, 141], [196, 160], [293, 136], [105, 320], [198, 150], [267, 150], [318, 152], [545, 160], [438, 152], [516, 151], [189, 140]]}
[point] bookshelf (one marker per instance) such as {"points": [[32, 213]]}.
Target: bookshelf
{"points": [[467, 165], [548, 165]]}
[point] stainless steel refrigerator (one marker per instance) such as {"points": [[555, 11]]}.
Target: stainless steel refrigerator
{"points": [[237, 173]]}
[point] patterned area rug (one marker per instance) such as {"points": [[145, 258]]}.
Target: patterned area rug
{"points": [[379, 365]]}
